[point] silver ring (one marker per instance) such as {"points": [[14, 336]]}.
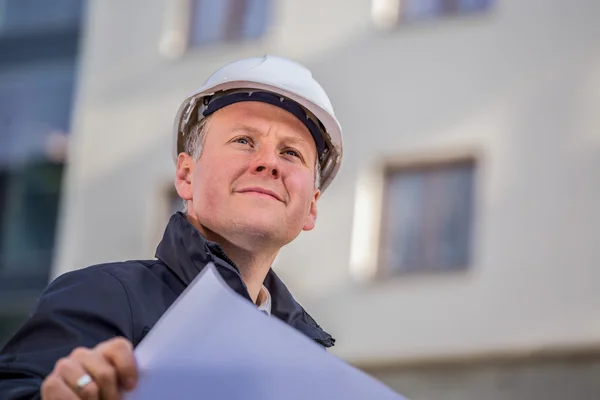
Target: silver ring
{"points": [[83, 381]]}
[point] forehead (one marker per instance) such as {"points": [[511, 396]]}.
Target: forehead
{"points": [[261, 118]]}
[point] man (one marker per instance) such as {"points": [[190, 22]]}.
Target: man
{"points": [[254, 149]]}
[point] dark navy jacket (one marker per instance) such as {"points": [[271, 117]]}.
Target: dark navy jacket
{"points": [[94, 304]]}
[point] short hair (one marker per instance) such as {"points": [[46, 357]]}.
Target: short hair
{"points": [[194, 143]]}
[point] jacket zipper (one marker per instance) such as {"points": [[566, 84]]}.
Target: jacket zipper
{"points": [[222, 255]]}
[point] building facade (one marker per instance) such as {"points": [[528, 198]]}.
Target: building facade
{"points": [[39, 46], [455, 254]]}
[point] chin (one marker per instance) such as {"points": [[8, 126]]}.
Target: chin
{"points": [[269, 231], [258, 228]]}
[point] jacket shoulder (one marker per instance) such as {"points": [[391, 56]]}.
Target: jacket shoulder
{"points": [[79, 308], [121, 269], [99, 290]]}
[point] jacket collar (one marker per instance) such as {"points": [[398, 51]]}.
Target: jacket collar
{"points": [[186, 252]]}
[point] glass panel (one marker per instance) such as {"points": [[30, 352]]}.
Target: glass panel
{"points": [[29, 221], [217, 21], [474, 5], [37, 79], [455, 213], [404, 221], [208, 19], [255, 23], [417, 9], [35, 104], [428, 216], [424, 9], [35, 16]]}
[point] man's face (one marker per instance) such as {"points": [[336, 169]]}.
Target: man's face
{"points": [[254, 182]]}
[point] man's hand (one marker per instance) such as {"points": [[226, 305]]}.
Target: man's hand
{"points": [[110, 365]]}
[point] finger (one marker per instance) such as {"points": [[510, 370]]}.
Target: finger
{"points": [[102, 372], [119, 352], [68, 372], [54, 388]]}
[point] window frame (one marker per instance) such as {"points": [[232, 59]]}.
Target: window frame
{"points": [[431, 162], [176, 40]]}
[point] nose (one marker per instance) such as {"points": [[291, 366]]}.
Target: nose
{"points": [[266, 162]]}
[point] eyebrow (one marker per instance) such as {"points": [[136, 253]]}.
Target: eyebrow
{"points": [[250, 129], [245, 128], [295, 140]]}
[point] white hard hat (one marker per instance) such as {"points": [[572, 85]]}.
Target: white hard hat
{"points": [[274, 80]]}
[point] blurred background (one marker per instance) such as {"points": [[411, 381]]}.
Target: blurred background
{"points": [[456, 254]]}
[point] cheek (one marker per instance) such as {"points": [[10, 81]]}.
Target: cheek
{"points": [[206, 184], [301, 186], [213, 179]]}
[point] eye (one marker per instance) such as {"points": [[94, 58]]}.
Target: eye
{"points": [[243, 140], [292, 153]]}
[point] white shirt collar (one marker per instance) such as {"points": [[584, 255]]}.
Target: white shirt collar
{"points": [[266, 303]]}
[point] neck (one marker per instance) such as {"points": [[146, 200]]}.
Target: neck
{"points": [[254, 264]]}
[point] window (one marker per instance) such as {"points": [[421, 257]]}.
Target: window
{"points": [[227, 20], [421, 9], [35, 107], [37, 82], [387, 13], [29, 197], [427, 217], [34, 17]]}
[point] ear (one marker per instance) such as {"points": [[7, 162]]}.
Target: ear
{"points": [[183, 176], [311, 218]]}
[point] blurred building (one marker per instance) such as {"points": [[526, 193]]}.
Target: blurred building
{"points": [[455, 256], [38, 68]]}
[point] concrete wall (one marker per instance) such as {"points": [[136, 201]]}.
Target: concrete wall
{"points": [[520, 84]]}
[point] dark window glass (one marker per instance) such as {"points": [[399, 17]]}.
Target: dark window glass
{"points": [[427, 218], [38, 43], [228, 20], [423, 9], [25, 17]]}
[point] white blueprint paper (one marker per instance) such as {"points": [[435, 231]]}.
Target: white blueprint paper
{"points": [[213, 344]]}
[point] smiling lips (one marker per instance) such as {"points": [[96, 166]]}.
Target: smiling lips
{"points": [[259, 190]]}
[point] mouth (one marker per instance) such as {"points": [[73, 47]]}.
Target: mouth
{"points": [[261, 192]]}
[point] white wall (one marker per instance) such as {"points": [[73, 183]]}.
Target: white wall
{"points": [[521, 84]]}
